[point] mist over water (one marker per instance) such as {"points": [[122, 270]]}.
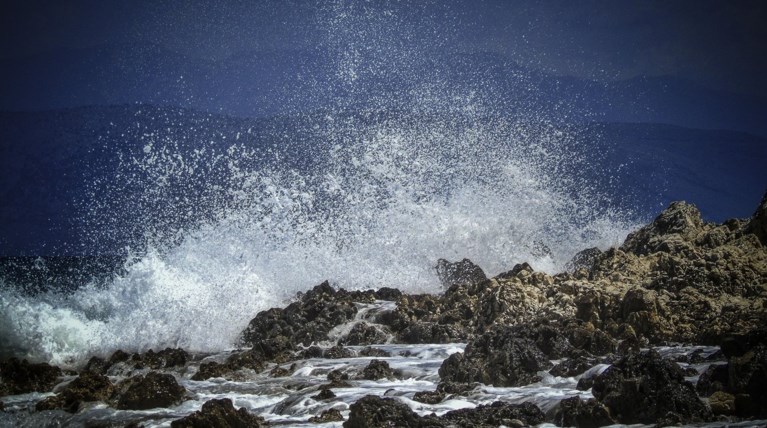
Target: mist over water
{"points": [[366, 194]]}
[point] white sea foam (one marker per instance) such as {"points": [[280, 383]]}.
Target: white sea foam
{"points": [[387, 202]]}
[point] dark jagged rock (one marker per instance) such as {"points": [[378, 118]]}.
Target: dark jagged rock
{"points": [[278, 371], [456, 388], [325, 394], [378, 369], [516, 271], [429, 397], [672, 231], [164, 359], [371, 411], [374, 352], [150, 391], [583, 259], [387, 293], [736, 345], [642, 310], [548, 338], [573, 412], [573, 366], [747, 379], [336, 352], [276, 349], [463, 272], [496, 414], [97, 365], [305, 321], [89, 386], [20, 377], [714, 379], [430, 332], [364, 334], [644, 388], [722, 403], [211, 370], [330, 415], [311, 352], [220, 413], [758, 223], [498, 358], [337, 375], [118, 356]]}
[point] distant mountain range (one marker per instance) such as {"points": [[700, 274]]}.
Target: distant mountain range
{"points": [[264, 84], [55, 162]]}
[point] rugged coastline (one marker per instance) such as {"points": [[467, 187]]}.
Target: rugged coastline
{"points": [[677, 282]]}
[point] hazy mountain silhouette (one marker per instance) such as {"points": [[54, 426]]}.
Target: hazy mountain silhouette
{"points": [[263, 84]]}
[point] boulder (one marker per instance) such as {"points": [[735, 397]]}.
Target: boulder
{"points": [[305, 321], [89, 386], [374, 352], [276, 349], [714, 378], [97, 365], [388, 293], [330, 415], [220, 413], [364, 334], [324, 394], [429, 397], [722, 403], [463, 272], [671, 232], [499, 358], [167, 358], [496, 414], [583, 259], [20, 377], [210, 370], [644, 388], [372, 411], [150, 391], [573, 366], [574, 412], [431, 332], [336, 352], [378, 369], [747, 377]]}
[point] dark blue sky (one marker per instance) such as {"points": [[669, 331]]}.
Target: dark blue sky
{"points": [[715, 43]]}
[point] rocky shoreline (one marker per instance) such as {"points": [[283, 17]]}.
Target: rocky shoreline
{"points": [[678, 280]]}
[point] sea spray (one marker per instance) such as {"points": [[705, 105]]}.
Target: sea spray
{"points": [[398, 168], [386, 197]]}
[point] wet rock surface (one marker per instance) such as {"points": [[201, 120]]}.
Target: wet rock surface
{"points": [[20, 377], [89, 386], [496, 414], [574, 412], [150, 391], [376, 412], [373, 411], [306, 321], [498, 358], [220, 413], [463, 272], [644, 388]]}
